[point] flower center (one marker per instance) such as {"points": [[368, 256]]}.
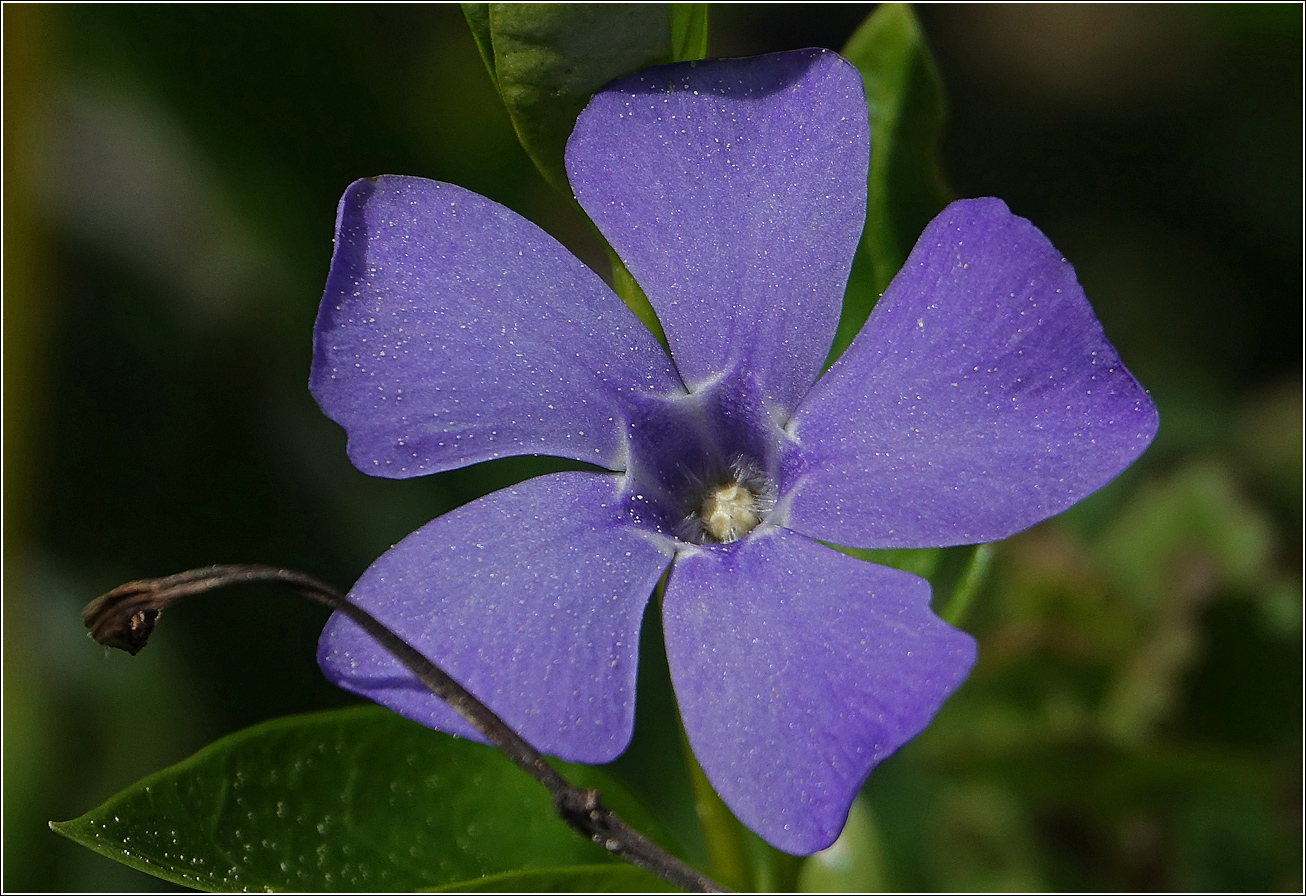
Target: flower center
{"points": [[729, 512], [726, 511]]}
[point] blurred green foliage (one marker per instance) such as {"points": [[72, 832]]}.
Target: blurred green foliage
{"points": [[171, 177]]}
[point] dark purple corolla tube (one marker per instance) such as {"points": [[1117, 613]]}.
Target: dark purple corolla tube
{"points": [[980, 398]]}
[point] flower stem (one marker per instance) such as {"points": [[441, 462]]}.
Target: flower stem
{"points": [[780, 871], [726, 846], [968, 585]]}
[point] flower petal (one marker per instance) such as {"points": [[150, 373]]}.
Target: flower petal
{"points": [[735, 191], [980, 398], [454, 331], [531, 598], [797, 670]]}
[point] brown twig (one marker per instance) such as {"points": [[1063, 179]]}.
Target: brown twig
{"points": [[125, 618]]}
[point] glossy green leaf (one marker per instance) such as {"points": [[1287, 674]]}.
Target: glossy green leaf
{"points": [[357, 799], [550, 58], [905, 189], [606, 878]]}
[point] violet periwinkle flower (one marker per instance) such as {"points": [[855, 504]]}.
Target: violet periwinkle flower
{"points": [[980, 398]]}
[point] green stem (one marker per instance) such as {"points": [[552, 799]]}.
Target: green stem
{"points": [[780, 873], [723, 835], [968, 585], [726, 846], [740, 860]]}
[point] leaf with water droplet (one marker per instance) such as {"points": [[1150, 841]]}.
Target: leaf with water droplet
{"points": [[371, 802]]}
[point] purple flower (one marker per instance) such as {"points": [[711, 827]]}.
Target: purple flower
{"points": [[980, 398]]}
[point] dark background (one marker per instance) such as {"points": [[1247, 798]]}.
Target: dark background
{"points": [[171, 176]]}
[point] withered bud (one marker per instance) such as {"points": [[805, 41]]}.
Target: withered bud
{"points": [[125, 617]]}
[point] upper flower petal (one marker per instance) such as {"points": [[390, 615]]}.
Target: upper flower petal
{"points": [[453, 331], [980, 398], [735, 191], [531, 598], [797, 670]]}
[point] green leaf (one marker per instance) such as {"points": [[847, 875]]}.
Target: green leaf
{"points": [[624, 285], [478, 20], [608, 878], [905, 189], [688, 31], [357, 799], [550, 58]]}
